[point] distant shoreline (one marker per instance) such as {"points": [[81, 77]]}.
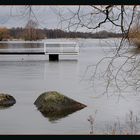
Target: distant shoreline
{"points": [[20, 33], [57, 38]]}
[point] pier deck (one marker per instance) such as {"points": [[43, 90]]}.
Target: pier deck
{"points": [[30, 49]]}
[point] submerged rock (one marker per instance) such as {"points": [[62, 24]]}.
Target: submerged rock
{"points": [[6, 100], [55, 105]]}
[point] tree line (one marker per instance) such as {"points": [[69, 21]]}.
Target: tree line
{"points": [[36, 34]]}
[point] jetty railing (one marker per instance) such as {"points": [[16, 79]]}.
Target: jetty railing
{"points": [[52, 49], [61, 48]]}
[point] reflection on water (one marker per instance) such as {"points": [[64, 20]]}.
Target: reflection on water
{"points": [[21, 45], [3, 46], [5, 107], [55, 116], [27, 80]]}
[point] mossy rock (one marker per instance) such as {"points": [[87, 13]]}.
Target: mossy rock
{"points": [[6, 100], [55, 105]]}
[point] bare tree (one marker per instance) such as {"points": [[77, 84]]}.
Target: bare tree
{"points": [[31, 28], [123, 19], [30, 32]]}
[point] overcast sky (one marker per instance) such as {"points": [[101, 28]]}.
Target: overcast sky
{"points": [[17, 16]]}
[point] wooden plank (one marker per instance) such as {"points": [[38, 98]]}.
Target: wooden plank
{"points": [[64, 53], [22, 53]]}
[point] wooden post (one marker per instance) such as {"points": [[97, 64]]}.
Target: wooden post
{"points": [[53, 57]]}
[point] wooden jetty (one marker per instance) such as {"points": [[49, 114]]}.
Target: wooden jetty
{"points": [[38, 50]]}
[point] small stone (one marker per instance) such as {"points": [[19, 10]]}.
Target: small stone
{"points": [[6, 100]]}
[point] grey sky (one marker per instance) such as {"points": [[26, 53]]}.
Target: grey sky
{"points": [[12, 16], [16, 16]]}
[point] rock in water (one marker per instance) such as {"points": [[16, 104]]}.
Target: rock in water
{"points": [[6, 100], [55, 105]]}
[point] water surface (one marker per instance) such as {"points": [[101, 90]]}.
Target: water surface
{"points": [[27, 80]]}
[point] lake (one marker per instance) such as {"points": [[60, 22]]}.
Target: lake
{"points": [[27, 80]]}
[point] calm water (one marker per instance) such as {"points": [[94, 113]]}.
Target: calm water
{"points": [[27, 80]]}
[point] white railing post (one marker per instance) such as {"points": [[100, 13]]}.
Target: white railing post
{"points": [[77, 47], [44, 47], [61, 48]]}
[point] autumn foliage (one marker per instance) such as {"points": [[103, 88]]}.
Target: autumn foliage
{"points": [[134, 35], [4, 33]]}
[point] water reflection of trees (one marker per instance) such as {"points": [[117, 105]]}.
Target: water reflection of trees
{"points": [[3, 45], [32, 45], [54, 116]]}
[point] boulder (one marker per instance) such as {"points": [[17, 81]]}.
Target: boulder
{"points": [[55, 105], [6, 100]]}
